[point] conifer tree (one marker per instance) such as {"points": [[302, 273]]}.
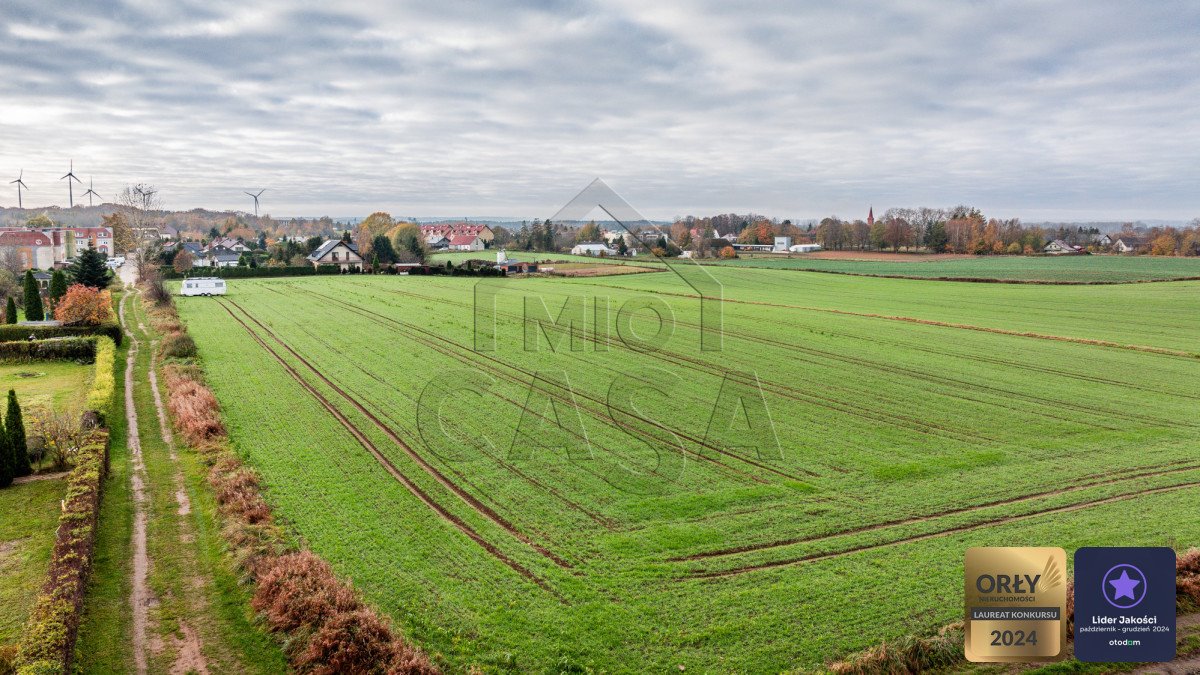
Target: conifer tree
{"points": [[6, 460], [33, 298], [10, 311], [14, 427], [58, 287]]}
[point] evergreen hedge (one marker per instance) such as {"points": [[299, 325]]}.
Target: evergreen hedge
{"points": [[14, 332], [49, 640], [56, 349]]}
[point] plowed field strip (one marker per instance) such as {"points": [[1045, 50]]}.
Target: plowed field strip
{"points": [[468, 498], [920, 519], [413, 488], [940, 533]]}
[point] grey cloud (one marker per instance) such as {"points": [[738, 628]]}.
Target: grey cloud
{"points": [[1027, 108]]}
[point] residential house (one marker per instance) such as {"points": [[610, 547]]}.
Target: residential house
{"points": [[466, 242], [437, 241], [34, 248], [337, 252], [228, 243], [452, 230], [217, 257], [1060, 247], [1130, 244], [593, 249]]}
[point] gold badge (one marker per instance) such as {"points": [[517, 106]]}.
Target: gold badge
{"points": [[1016, 600]]}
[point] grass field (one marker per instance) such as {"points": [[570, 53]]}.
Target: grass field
{"points": [[1075, 269], [658, 523], [27, 530], [59, 384]]}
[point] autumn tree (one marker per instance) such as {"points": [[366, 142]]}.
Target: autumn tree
{"points": [[184, 261], [589, 232], [84, 306], [1163, 244], [118, 222]]}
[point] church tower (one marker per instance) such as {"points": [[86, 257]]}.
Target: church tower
{"points": [[871, 216]]}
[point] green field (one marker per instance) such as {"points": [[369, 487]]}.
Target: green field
{"points": [[58, 384], [1072, 269], [622, 504], [27, 530]]}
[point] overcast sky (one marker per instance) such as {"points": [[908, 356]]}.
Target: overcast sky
{"points": [[1084, 110]]}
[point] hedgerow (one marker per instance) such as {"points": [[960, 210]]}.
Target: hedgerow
{"points": [[102, 395], [15, 332], [49, 638], [54, 349]]}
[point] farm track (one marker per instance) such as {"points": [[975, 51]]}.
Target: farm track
{"points": [[441, 478], [497, 367], [412, 487], [1162, 351], [940, 533], [934, 516]]}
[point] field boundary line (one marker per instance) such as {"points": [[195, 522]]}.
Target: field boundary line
{"points": [[388, 466]]}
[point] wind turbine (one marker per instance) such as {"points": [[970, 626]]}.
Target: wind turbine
{"points": [[91, 193], [70, 186], [255, 198], [146, 195], [20, 184]]}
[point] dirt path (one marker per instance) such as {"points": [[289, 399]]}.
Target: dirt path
{"points": [[187, 644], [140, 594], [39, 476]]}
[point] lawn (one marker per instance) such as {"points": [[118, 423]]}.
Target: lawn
{"points": [[534, 256], [628, 503], [59, 384], [1068, 269], [27, 530]]}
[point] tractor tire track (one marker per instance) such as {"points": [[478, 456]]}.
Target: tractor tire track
{"points": [[498, 367], [1149, 349], [596, 517], [441, 478], [784, 391], [939, 533], [412, 487], [921, 519]]}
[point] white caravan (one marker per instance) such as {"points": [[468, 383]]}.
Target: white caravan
{"points": [[203, 286]]}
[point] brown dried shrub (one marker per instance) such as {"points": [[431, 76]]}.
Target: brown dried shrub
{"points": [[194, 407], [1187, 580], [359, 642], [299, 590]]}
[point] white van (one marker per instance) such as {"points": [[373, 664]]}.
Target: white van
{"points": [[203, 286]]}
